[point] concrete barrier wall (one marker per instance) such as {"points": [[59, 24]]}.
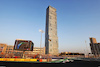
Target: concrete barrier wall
{"points": [[44, 60], [54, 59], [28, 60], [16, 59]]}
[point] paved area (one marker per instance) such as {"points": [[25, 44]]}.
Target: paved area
{"points": [[73, 64]]}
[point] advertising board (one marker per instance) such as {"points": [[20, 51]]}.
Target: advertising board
{"points": [[23, 45]]}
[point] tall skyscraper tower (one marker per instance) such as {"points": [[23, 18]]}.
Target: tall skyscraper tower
{"points": [[51, 38], [95, 47], [93, 40]]}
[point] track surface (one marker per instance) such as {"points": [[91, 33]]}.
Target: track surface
{"points": [[71, 64]]}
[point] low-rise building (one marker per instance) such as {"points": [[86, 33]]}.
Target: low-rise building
{"points": [[3, 48], [9, 51], [36, 50], [72, 54]]}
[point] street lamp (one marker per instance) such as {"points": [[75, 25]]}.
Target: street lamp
{"points": [[87, 49], [41, 40]]}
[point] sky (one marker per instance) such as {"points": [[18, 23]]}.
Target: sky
{"points": [[77, 20]]}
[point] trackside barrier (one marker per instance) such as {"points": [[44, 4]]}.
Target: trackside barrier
{"points": [[26, 59], [44, 60], [49, 59], [40, 60], [17, 59], [1, 59], [7, 59], [21, 59], [33, 59], [11, 59], [4, 59], [54, 59]]}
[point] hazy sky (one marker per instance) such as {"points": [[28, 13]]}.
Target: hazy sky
{"points": [[77, 20]]}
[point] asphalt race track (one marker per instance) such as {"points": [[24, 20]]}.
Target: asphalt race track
{"points": [[69, 64]]}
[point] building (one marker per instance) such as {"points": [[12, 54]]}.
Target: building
{"points": [[71, 54], [95, 47], [10, 52], [9, 49], [37, 50], [51, 38], [3, 48], [93, 40]]}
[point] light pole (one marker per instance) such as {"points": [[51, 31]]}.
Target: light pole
{"points": [[87, 49], [41, 40]]}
